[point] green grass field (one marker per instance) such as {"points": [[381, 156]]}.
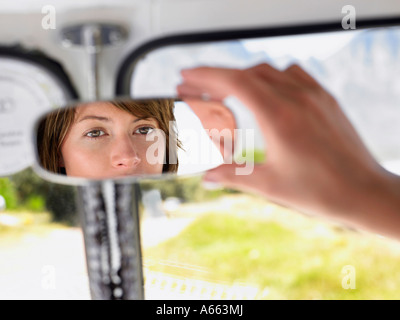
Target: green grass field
{"points": [[284, 254], [14, 225]]}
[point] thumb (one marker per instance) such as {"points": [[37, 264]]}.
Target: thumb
{"points": [[249, 178]]}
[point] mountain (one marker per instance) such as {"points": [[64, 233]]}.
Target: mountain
{"points": [[364, 76]]}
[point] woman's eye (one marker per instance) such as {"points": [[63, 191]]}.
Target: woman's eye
{"points": [[95, 133], [144, 130]]}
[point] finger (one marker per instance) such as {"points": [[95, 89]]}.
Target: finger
{"points": [[291, 78], [227, 176], [269, 73], [201, 75], [208, 109], [197, 74], [219, 83], [202, 81], [212, 114], [261, 97], [189, 91], [301, 76], [195, 92]]}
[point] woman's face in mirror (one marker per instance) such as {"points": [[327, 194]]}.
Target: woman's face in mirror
{"points": [[106, 142]]}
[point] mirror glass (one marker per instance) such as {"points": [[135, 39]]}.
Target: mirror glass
{"points": [[138, 138], [361, 68]]}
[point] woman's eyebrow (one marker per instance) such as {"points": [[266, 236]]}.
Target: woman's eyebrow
{"points": [[139, 119], [93, 117], [106, 119]]}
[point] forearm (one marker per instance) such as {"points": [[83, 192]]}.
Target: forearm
{"points": [[377, 208]]}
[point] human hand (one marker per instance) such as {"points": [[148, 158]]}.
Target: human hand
{"points": [[316, 162], [218, 121]]}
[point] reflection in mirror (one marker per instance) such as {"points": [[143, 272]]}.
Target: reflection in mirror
{"points": [[359, 67], [107, 139], [114, 139]]}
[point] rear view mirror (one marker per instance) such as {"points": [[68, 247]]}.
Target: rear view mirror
{"points": [[105, 147], [136, 139]]}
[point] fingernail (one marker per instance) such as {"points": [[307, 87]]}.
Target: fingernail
{"points": [[181, 89], [184, 72]]}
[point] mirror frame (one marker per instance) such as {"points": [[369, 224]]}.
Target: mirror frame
{"points": [[49, 65], [81, 181], [128, 66]]}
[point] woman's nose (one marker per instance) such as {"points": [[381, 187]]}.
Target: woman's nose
{"points": [[124, 153]]}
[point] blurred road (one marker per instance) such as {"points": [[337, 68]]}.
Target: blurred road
{"points": [[53, 267], [48, 267]]}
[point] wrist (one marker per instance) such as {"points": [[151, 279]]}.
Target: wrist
{"points": [[379, 205]]}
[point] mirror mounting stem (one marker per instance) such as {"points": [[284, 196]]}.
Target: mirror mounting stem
{"points": [[93, 37], [110, 221]]}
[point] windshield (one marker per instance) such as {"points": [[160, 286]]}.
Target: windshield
{"points": [[206, 242]]}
